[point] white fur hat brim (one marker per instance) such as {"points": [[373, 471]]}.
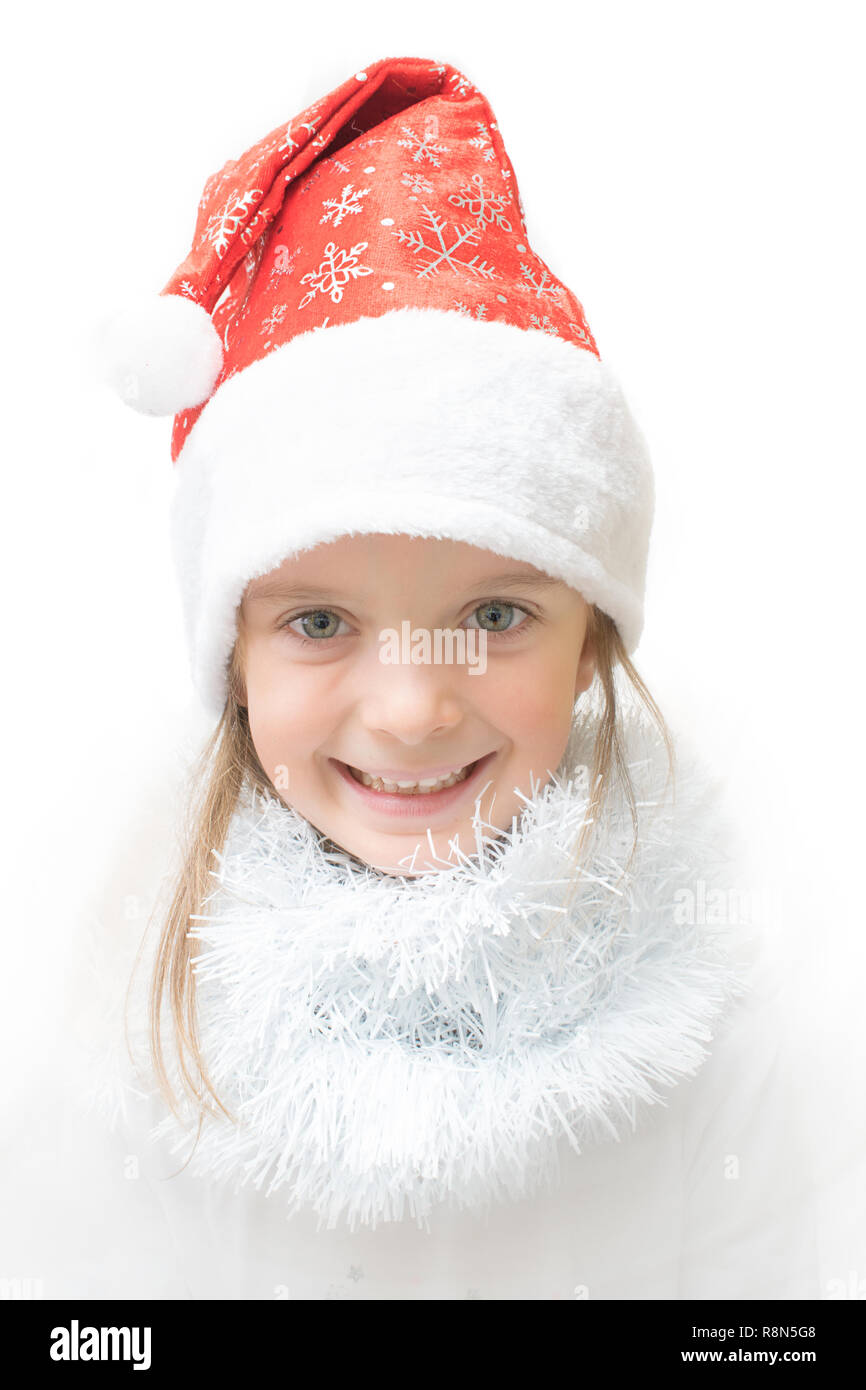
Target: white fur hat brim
{"points": [[420, 422]]}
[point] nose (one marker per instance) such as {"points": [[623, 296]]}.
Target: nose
{"points": [[411, 703]]}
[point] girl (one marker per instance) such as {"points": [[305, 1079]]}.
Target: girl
{"points": [[438, 934]]}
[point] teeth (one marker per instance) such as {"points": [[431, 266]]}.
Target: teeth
{"points": [[429, 784]]}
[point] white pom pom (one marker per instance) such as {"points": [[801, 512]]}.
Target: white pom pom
{"points": [[160, 355]]}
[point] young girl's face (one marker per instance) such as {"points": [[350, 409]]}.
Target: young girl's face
{"points": [[331, 693]]}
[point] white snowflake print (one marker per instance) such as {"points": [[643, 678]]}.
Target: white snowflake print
{"points": [[482, 140], [338, 267], [483, 205], [480, 310], [580, 334], [253, 228], [443, 254], [274, 319], [462, 84], [223, 224], [289, 143], [418, 184], [543, 285], [187, 288], [335, 163], [544, 325], [422, 146], [338, 208]]}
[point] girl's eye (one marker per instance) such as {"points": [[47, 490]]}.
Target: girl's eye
{"points": [[498, 617], [316, 626], [321, 624]]}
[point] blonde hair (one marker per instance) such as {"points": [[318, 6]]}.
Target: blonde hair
{"points": [[228, 762]]}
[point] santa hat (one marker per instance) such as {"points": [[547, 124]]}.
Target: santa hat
{"points": [[362, 339]]}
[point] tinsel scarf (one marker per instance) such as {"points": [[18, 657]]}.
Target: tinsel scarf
{"points": [[390, 1043]]}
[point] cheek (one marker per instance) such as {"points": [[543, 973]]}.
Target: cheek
{"points": [[534, 697], [291, 708]]}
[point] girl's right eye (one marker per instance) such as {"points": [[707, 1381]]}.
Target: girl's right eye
{"points": [[318, 626]]}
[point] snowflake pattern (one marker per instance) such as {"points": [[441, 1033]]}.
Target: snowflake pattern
{"points": [[481, 141], [462, 85], [335, 163], [187, 288], [482, 204], [544, 284], [444, 254], [347, 203], [582, 335], [418, 185], [274, 319], [422, 146], [461, 308], [223, 224], [544, 325], [338, 267]]}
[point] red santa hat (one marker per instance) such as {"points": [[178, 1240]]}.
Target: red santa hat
{"points": [[362, 339]]}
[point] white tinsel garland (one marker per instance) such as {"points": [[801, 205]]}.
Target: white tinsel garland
{"points": [[388, 1043]]}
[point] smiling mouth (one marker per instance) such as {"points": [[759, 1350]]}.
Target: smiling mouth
{"points": [[406, 788]]}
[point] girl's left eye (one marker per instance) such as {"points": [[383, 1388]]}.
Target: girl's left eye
{"points": [[318, 625], [498, 617]]}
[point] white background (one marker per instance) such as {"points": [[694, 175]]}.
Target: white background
{"points": [[694, 172]]}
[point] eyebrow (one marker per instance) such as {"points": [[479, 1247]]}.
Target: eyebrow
{"points": [[279, 590]]}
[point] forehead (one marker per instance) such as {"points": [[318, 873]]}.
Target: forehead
{"points": [[358, 565]]}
